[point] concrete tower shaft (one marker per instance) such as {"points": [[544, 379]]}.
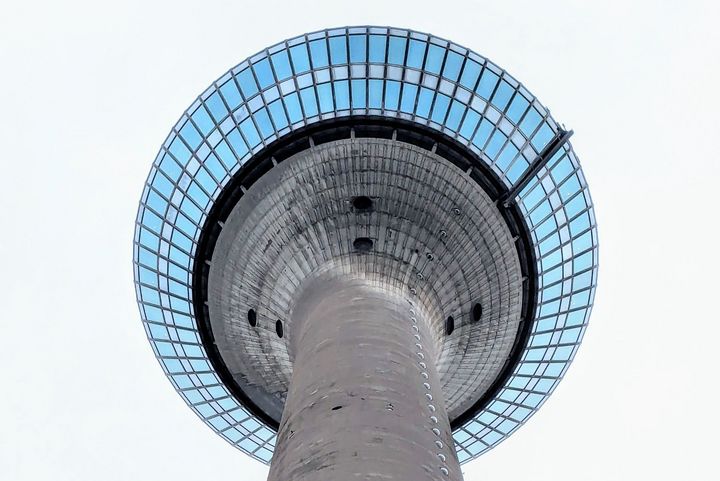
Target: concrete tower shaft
{"points": [[364, 400]]}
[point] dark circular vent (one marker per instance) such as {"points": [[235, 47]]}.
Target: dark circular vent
{"points": [[363, 244], [476, 312], [362, 203], [449, 325]]}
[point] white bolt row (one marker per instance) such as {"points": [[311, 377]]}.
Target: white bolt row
{"points": [[426, 385]]}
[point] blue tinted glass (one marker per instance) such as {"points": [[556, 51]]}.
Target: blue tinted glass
{"points": [[150, 296], [250, 132], [468, 126], [580, 299], [264, 74], [203, 120], [488, 80], [225, 155], [392, 94], [483, 132], [216, 107], [496, 142], [456, 111], [318, 52], [186, 225], [434, 59], [407, 103], [148, 239], [300, 60], [238, 145], [396, 50], [278, 114], [575, 318], [338, 50], [375, 94], [281, 64], [292, 104], [178, 238], [440, 108], [152, 221], [377, 48], [190, 135], [540, 212], [357, 48], [342, 95], [580, 244], [502, 95], [325, 97], [575, 205], [561, 169], [424, 102], [569, 187], [231, 95], [206, 181], [542, 137], [263, 122], [517, 169], [531, 120], [147, 258], [358, 94], [453, 62], [580, 224], [546, 227], [517, 108], [309, 102], [179, 151], [582, 262], [247, 83], [416, 54], [161, 183], [470, 74], [507, 155]]}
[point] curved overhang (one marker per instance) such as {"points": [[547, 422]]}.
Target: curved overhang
{"points": [[352, 77]]}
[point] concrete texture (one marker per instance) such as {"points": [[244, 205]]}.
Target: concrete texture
{"points": [[437, 238], [364, 400]]}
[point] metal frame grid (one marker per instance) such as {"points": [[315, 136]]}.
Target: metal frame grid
{"points": [[364, 71]]}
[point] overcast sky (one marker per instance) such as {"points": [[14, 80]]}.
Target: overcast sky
{"points": [[88, 92]]}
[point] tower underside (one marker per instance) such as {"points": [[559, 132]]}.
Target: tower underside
{"points": [[399, 165], [340, 270]]}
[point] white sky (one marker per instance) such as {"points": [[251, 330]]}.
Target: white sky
{"points": [[88, 93]]}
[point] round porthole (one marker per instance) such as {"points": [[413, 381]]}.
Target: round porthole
{"points": [[362, 203], [449, 325], [476, 312], [363, 244]]}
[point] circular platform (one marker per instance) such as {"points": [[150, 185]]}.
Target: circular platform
{"points": [[447, 100]]}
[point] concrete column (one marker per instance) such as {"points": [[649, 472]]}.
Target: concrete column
{"points": [[364, 401]]}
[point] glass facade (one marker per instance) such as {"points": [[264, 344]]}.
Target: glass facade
{"points": [[364, 71]]}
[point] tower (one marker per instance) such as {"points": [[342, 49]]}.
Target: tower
{"points": [[365, 253]]}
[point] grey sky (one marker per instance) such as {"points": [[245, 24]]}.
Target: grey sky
{"points": [[89, 91]]}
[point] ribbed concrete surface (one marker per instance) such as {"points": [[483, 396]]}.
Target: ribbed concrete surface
{"points": [[364, 400], [438, 240]]}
